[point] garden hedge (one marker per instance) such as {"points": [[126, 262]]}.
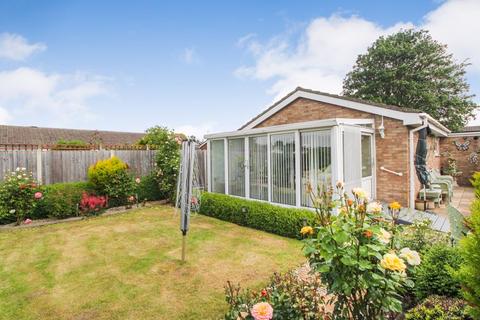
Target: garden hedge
{"points": [[256, 214], [60, 200]]}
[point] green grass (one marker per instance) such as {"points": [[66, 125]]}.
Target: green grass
{"points": [[128, 267]]}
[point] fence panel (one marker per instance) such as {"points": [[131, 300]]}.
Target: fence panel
{"points": [[54, 166]]}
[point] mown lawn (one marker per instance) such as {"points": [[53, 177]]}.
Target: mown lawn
{"points": [[128, 266]]}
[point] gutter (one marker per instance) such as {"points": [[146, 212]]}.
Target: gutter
{"points": [[412, 160]]}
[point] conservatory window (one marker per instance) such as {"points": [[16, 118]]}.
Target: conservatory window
{"points": [[236, 167], [283, 168], [258, 165], [218, 165], [316, 162]]}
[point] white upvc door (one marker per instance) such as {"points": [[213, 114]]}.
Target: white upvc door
{"points": [[368, 165], [352, 158]]}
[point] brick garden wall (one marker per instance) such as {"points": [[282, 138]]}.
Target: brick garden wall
{"points": [[391, 152], [463, 163]]}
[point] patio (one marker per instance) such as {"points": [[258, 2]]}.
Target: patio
{"points": [[461, 200]]}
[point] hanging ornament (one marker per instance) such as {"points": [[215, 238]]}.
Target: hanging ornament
{"points": [[473, 158], [462, 146]]}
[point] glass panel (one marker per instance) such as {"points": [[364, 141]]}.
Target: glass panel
{"points": [[258, 163], [315, 162], [283, 168], [236, 167], [366, 156], [352, 158], [217, 155]]}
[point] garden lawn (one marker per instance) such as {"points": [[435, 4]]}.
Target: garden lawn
{"points": [[128, 266]]}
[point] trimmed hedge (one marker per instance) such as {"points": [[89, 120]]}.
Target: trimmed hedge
{"points": [[256, 214], [60, 200]]}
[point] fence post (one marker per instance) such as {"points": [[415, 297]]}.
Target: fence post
{"points": [[39, 164]]}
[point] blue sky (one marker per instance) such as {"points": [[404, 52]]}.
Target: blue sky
{"points": [[199, 66]]}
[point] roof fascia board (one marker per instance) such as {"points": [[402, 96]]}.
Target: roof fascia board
{"points": [[278, 128], [408, 118], [464, 134]]}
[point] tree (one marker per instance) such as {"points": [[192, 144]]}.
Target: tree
{"points": [[410, 69], [167, 144]]}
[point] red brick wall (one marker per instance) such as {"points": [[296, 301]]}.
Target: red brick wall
{"points": [[391, 152], [463, 164]]}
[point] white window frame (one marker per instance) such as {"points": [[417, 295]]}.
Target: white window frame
{"points": [[335, 126]]}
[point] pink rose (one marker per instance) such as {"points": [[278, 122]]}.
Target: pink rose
{"points": [[38, 195], [27, 221], [262, 311]]}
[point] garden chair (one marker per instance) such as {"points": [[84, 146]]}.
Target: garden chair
{"points": [[434, 194], [443, 183], [436, 175]]}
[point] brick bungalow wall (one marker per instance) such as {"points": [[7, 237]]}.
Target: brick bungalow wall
{"points": [[391, 152], [463, 164]]}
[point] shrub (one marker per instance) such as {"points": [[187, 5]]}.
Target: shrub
{"points": [[61, 200], [19, 195], [290, 296], [92, 204], [255, 214], [420, 236], [148, 189], [475, 181], [469, 272], [167, 158], [439, 308], [357, 256], [110, 177], [434, 276]]}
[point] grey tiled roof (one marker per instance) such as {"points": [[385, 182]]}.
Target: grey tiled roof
{"points": [[50, 136], [471, 129]]}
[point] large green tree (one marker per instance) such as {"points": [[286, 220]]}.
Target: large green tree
{"points": [[410, 69]]}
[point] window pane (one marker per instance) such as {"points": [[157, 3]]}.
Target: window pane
{"points": [[236, 167], [315, 162], [366, 156], [258, 163], [283, 168], [217, 155]]}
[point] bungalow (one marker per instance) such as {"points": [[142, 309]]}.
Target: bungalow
{"points": [[319, 138]]}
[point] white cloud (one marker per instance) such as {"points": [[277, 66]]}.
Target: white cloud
{"points": [[196, 130], [455, 24], [325, 51], [189, 56], [16, 47], [27, 94]]}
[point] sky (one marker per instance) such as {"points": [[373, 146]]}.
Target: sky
{"points": [[197, 66]]}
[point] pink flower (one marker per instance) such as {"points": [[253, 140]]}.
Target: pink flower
{"points": [[27, 221], [38, 195], [262, 311]]}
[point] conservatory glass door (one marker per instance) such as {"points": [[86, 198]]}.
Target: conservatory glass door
{"points": [[367, 164]]}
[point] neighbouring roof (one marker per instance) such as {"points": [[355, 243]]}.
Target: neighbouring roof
{"points": [[50, 136], [375, 104]]}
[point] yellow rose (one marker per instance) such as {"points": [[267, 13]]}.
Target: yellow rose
{"points": [[395, 205], [384, 236], [307, 230], [392, 262], [412, 256]]}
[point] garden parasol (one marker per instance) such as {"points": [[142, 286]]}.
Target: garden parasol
{"points": [[421, 158]]}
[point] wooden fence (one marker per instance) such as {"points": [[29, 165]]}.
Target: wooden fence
{"points": [[52, 166]]}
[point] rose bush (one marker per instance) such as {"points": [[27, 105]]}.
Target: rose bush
{"points": [[357, 255], [18, 196]]}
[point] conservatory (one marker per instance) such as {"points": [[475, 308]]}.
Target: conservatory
{"points": [[276, 163]]}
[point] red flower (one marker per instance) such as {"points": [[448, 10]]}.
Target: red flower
{"points": [[264, 293]]}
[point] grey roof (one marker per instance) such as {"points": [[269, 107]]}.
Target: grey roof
{"points": [[376, 104], [50, 136]]}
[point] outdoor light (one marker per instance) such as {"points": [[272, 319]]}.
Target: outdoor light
{"points": [[381, 130]]}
